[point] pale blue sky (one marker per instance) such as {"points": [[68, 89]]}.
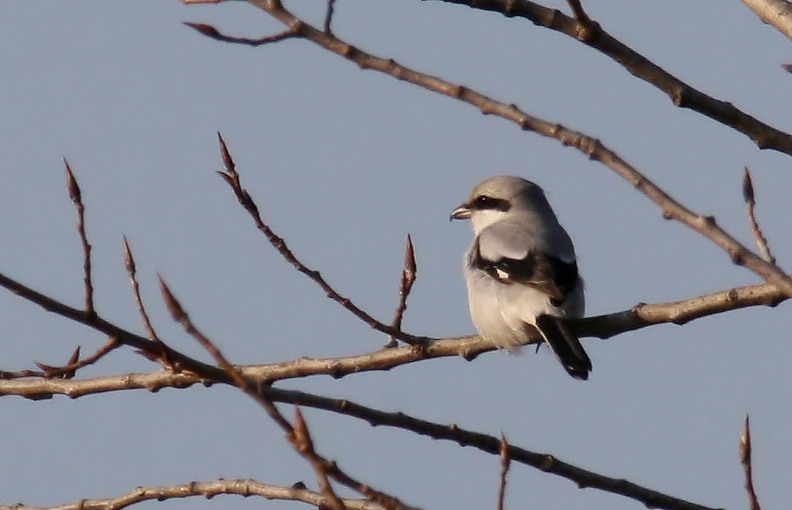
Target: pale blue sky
{"points": [[344, 163]]}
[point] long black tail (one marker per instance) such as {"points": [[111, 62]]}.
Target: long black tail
{"points": [[565, 345]]}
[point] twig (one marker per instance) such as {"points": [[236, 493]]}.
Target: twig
{"points": [[329, 16], [231, 177], [208, 490], [129, 263], [213, 33], [297, 434], [505, 463], [408, 275], [158, 352], [76, 197], [750, 201], [745, 460], [75, 363], [95, 322]]}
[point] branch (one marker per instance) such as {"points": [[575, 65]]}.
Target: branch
{"points": [[603, 326], [681, 94], [208, 490], [232, 178], [591, 147], [297, 434], [154, 350], [777, 13], [489, 444]]}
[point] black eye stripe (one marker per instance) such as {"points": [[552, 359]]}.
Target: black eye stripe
{"points": [[483, 202]]}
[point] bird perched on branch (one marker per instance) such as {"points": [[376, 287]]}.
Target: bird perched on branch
{"points": [[521, 271]]}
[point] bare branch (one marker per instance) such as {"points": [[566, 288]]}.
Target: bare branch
{"points": [[745, 460], [682, 94], [297, 435], [489, 444], [208, 490], [231, 177], [670, 208], [92, 320], [777, 13], [76, 197], [750, 200], [603, 326]]}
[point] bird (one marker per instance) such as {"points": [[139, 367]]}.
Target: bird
{"points": [[521, 270]]}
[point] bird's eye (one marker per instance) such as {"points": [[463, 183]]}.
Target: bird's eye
{"points": [[482, 202]]}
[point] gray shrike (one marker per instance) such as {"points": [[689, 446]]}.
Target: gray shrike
{"points": [[521, 272]]}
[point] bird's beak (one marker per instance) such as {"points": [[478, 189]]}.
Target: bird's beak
{"points": [[460, 213]]}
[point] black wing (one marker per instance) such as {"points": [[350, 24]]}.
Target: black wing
{"points": [[544, 272]]}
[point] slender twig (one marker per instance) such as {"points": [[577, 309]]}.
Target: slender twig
{"points": [[76, 197], [505, 463], [158, 352], [231, 177], [92, 320], [75, 363], [129, 263], [213, 33], [745, 460], [207, 490], [408, 276], [297, 434], [329, 16], [750, 201]]}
